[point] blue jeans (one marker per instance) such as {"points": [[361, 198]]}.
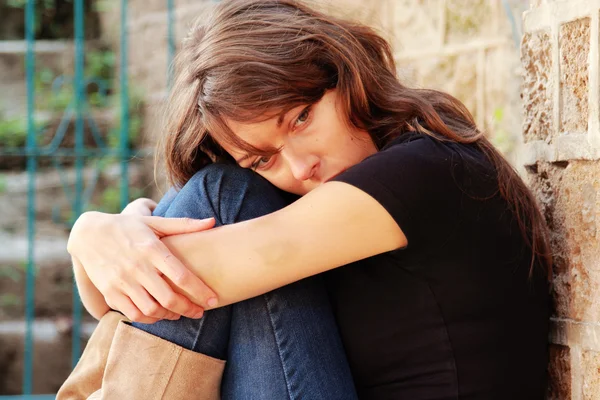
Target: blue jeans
{"points": [[281, 345]]}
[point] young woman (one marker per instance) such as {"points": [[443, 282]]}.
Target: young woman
{"points": [[437, 254]]}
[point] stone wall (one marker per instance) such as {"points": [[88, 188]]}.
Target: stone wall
{"points": [[561, 131], [467, 48]]}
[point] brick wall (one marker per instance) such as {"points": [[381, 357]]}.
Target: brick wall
{"points": [[562, 154]]}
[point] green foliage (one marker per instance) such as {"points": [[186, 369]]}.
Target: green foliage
{"points": [[14, 273], [47, 24], [13, 132], [43, 4], [501, 138], [99, 66], [3, 184], [11, 272], [110, 199], [135, 121], [10, 300], [104, 5]]}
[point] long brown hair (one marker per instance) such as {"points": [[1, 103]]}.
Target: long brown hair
{"points": [[253, 58]]}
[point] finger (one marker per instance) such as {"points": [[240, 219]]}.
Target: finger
{"points": [[176, 226], [174, 302], [146, 303], [152, 204], [124, 305], [182, 278], [172, 316]]}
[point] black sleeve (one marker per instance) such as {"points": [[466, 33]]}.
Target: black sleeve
{"points": [[416, 182]]}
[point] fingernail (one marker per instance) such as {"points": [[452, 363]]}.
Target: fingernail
{"points": [[212, 302], [199, 315]]}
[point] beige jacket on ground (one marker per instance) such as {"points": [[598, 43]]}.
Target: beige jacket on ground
{"points": [[121, 362]]}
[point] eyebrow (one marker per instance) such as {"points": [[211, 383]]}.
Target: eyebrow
{"points": [[280, 120]]}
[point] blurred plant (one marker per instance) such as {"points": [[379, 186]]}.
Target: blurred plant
{"points": [[3, 184], [10, 300], [14, 274], [110, 200], [13, 131], [500, 137], [135, 120], [104, 5], [47, 24], [99, 71]]}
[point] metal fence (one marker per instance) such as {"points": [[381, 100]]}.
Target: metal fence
{"points": [[77, 112]]}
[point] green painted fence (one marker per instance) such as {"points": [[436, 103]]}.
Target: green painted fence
{"points": [[79, 112]]}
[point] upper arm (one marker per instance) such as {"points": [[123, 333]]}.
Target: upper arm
{"points": [[334, 225]]}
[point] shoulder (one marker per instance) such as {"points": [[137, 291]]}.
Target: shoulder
{"points": [[422, 182], [418, 159]]}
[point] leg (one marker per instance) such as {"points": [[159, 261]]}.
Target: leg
{"points": [[282, 345]]}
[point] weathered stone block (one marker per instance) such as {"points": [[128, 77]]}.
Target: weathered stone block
{"points": [[466, 19], [456, 75], [568, 195], [574, 43], [154, 120], [536, 58], [415, 26], [138, 8], [559, 373], [502, 119], [590, 365], [148, 55]]}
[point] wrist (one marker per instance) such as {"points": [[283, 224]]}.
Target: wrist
{"points": [[84, 223]]}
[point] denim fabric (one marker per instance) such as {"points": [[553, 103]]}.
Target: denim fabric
{"points": [[281, 345]]}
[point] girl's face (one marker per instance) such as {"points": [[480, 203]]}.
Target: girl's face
{"points": [[308, 145]]}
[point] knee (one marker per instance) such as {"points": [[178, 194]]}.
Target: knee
{"points": [[228, 193]]}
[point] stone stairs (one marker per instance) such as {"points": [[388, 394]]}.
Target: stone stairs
{"points": [[53, 302], [56, 56]]}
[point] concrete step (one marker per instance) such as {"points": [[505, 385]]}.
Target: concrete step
{"points": [[47, 249], [45, 330], [56, 56]]}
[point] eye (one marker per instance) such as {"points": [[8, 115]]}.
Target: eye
{"points": [[303, 117], [261, 163]]}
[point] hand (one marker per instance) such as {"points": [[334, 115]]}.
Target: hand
{"points": [[125, 260], [141, 206]]}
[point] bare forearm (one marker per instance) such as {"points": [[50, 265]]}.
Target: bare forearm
{"points": [[315, 234], [92, 299], [233, 266]]}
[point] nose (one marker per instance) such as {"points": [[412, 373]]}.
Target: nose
{"points": [[303, 166]]}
